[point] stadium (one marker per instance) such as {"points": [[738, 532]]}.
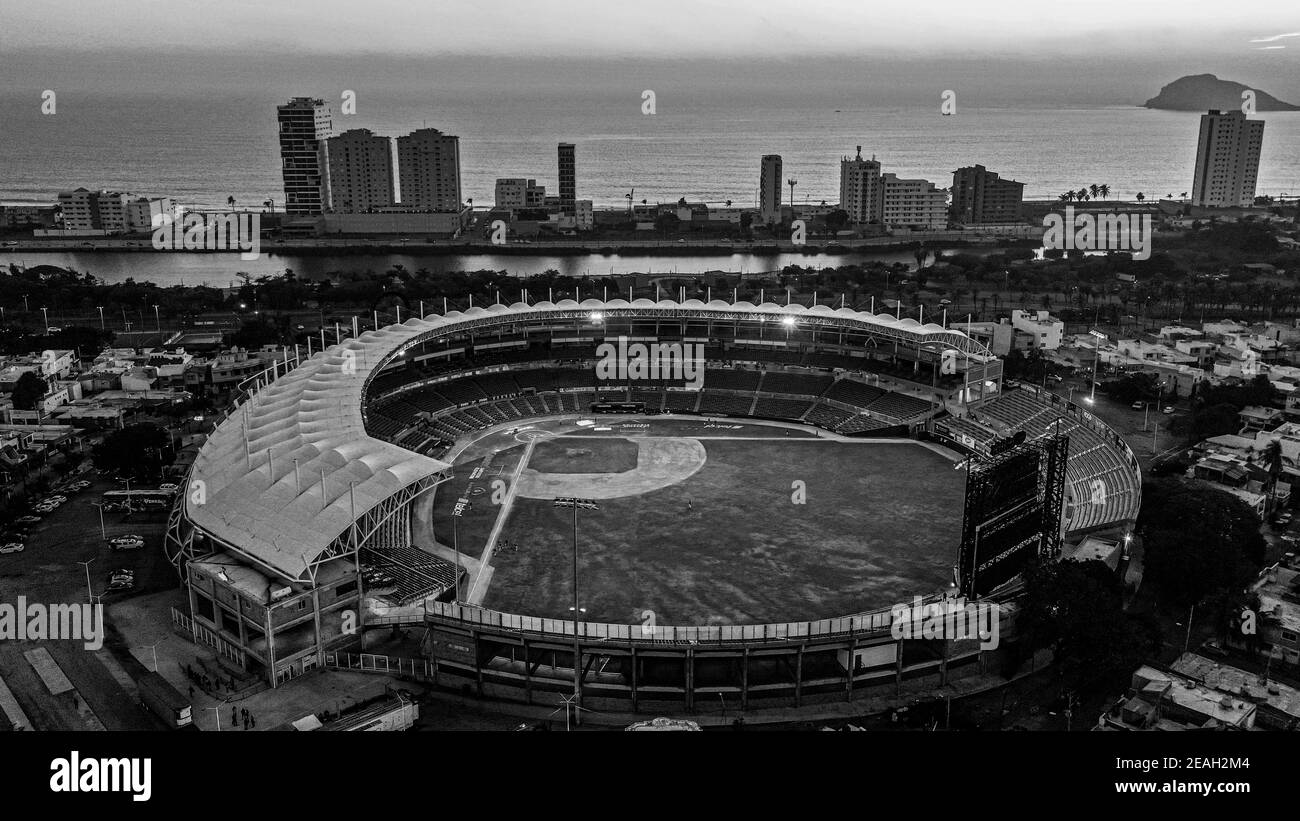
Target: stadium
{"points": [[742, 544]]}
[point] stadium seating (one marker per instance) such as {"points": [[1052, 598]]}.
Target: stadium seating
{"points": [[726, 379], [725, 404], [860, 423], [900, 407], [796, 384], [853, 392], [771, 408], [682, 401], [1093, 458], [825, 416]]}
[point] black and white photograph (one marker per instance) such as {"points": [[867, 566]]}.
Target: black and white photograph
{"points": [[782, 372]]}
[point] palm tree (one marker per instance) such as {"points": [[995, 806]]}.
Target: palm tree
{"points": [[231, 202], [1094, 189], [1104, 190], [1082, 195], [1273, 462], [1067, 196]]}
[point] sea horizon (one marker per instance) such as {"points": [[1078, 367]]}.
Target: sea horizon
{"points": [[203, 149]]}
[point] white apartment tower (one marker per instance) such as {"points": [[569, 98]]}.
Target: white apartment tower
{"points": [[518, 193], [304, 123], [358, 172], [862, 192], [428, 170], [1227, 160], [769, 189], [916, 204]]}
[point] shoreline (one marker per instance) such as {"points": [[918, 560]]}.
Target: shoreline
{"points": [[666, 248]]}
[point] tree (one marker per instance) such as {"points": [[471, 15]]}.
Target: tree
{"points": [[137, 451], [667, 223], [28, 391], [835, 220], [1199, 541], [1273, 463], [1076, 608], [1141, 197]]}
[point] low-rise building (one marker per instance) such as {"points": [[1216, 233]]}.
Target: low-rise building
{"points": [[1276, 629], [1161, 699], [1044, 330]]}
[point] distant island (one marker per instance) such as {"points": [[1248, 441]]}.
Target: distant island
{"points": [[1202, 92]]}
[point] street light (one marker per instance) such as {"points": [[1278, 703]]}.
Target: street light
{"points": [[89, 592], [46, 314], [101, 316], [567, 502], [102, 531], [1096, 355], [153, 648]]}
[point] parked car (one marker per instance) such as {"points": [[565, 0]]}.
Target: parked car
{"points": [[121, 584], [1169, 409], [29, 519], [129, 537], [169, 487], [12, 547], [1136, 406]]}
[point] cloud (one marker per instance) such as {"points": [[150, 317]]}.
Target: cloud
{"points": [[1275, 38]]}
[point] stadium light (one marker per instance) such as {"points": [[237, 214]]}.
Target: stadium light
{"points": [[597, 317], [567, 502], [788, 321]]}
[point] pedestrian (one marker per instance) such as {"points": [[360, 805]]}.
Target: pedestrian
{"points": [[246, 724], [191, 692], [234, 716], [252, 721], [244, 712]]}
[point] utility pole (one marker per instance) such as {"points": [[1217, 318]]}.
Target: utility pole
{"points": [[566, 502]]}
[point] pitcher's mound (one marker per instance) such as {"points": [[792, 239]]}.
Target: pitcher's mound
{"points": [[660, 462]]}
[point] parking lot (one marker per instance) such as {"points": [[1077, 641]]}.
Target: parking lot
{"points": [[52, 568]]}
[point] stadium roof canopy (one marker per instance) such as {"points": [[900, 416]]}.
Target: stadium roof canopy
{"points": [[291, 469]]}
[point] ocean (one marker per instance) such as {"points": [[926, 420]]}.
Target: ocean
{"points": [[203, 148]]}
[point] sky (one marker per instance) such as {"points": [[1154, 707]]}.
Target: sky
{"points": [[1117, 49]]}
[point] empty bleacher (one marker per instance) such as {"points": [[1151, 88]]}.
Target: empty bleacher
{"points": [[860, 423], [1104, 487], [853, 392], [772, 408], [726, 379], [825, 416], [725, 404], [681, 401], [900, 406], [797, 384]]}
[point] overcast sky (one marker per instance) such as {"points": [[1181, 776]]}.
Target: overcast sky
{"points": [[148, 42], [663, 27]]}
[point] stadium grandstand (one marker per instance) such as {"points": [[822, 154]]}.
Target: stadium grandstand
{"points": [[301, 506]]}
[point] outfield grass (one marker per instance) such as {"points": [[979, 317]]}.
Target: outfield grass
{"points": [[880, 523]]}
